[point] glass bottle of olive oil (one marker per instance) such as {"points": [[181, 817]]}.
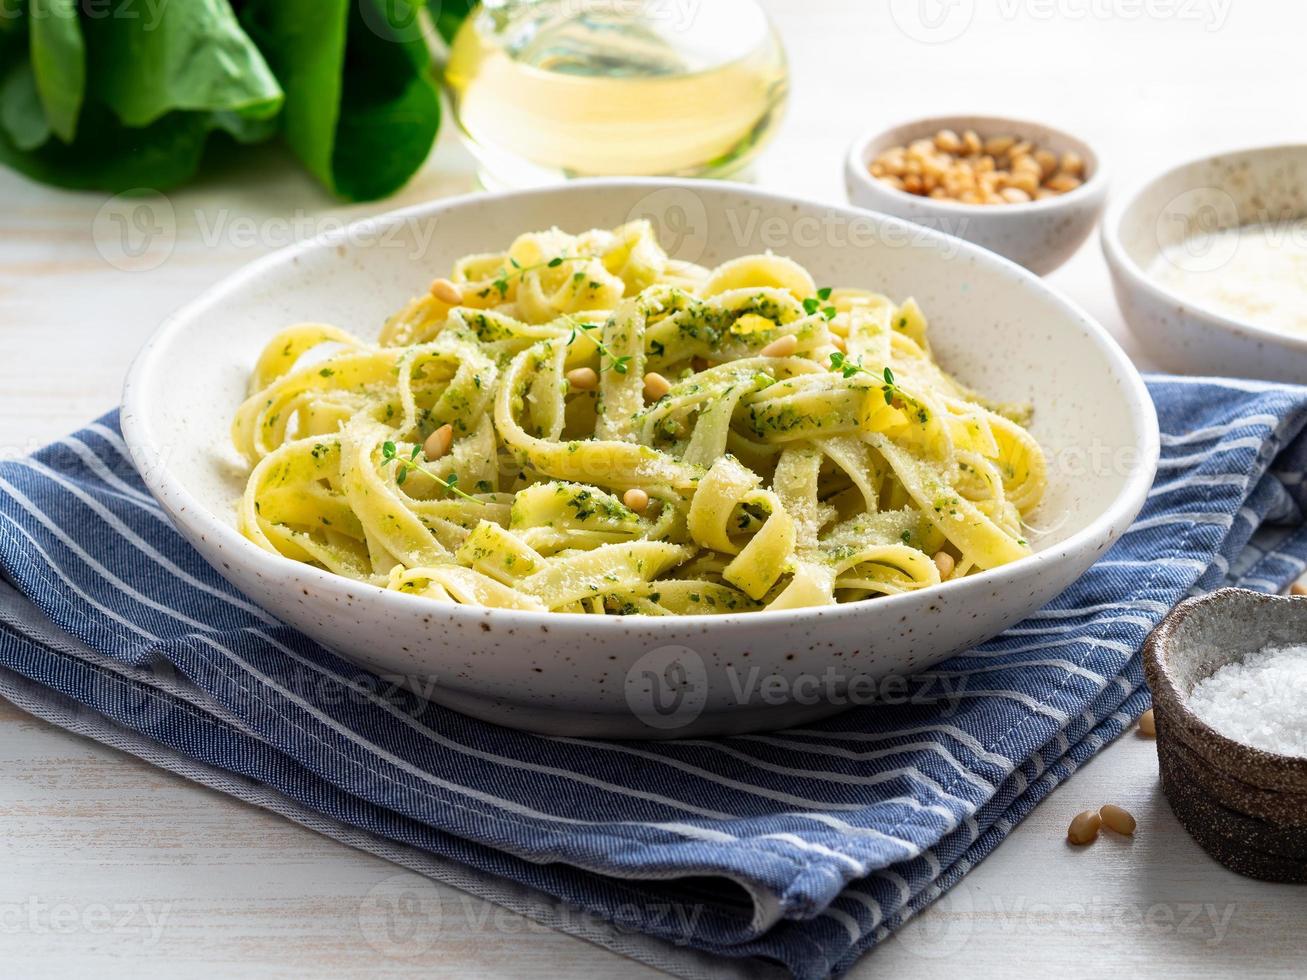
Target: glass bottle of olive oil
{"points": [[549, 89]]}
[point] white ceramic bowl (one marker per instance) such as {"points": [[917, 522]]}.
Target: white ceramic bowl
{"points": [[995, 325], [1227, 190], [1040, 235]]}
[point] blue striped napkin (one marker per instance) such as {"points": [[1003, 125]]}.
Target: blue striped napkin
{"points": [[798, 850]]}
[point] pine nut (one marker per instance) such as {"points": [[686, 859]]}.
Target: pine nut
{"points": [[1148, 724], [438, 442], [1062, 183], [1117, 819], [781, 347], [636, 499], [447, 292], [1084, 828], [944, 562], [947, 141], [655, 386], [839, 343], [583, 379], [996, 146]]}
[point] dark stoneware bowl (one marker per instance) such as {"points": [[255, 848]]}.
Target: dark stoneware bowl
{"points": [[1246, 807]]}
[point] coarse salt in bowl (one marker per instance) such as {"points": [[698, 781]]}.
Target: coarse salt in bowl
{"points": [[1260, 700]]}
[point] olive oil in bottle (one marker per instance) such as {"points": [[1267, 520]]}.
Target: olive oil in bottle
{"points": [[549, 89]]}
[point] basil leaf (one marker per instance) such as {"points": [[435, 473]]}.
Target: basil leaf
{"points": [[59, 63], [21, 113], [106, 156], [146, 61], [390, 111], [361, 108]]}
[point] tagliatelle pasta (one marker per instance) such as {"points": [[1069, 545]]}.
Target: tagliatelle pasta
{"points": [[581, 424]]}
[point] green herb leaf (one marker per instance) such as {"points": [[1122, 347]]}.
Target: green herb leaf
{"points": [[361, 109], [21, 112], [58, 63]]}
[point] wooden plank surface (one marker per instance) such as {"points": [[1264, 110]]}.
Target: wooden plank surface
{"points": [[113, 866]]}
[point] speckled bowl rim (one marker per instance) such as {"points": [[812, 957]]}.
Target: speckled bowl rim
{"points": [[859, 159], [1236, 759], [1100, 533], [1121, 264]]}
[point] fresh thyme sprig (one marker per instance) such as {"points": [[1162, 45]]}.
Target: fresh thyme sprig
{"points": [[620, 364], [403, 464], [848, 367], [813, 303], [520, 270]]}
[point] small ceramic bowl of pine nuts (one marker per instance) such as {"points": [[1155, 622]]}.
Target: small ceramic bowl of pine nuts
{"points": [[1022, 189]]}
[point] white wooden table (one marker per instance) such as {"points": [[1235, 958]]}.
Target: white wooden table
{"points": [[111, 865]]}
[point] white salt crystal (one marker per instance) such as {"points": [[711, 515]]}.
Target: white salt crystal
{"points": [[1259, 701]]}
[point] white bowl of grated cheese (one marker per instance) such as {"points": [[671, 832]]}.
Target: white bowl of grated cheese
{"points": [[1209, 264]]}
